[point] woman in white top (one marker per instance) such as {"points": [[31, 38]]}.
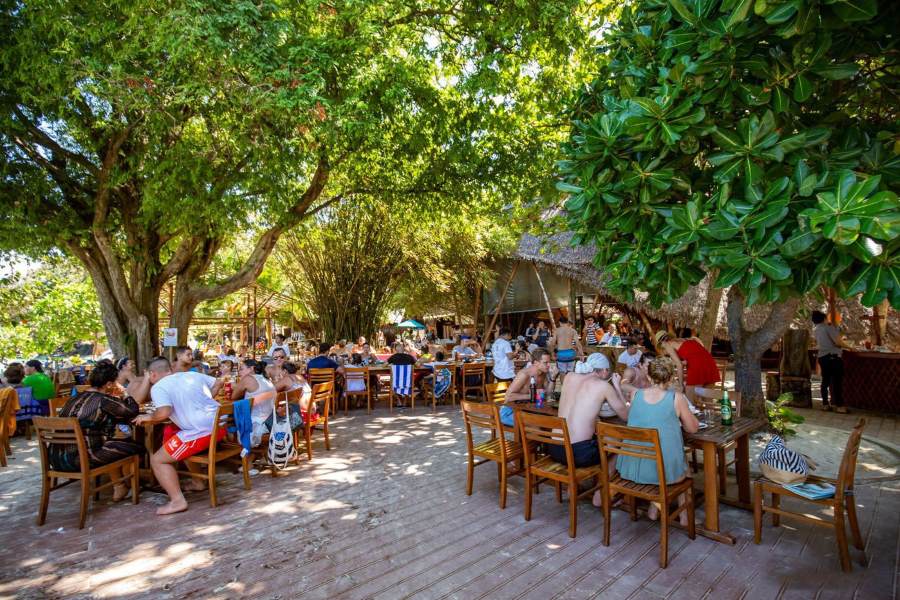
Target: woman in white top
{"points": [[255, 387]]}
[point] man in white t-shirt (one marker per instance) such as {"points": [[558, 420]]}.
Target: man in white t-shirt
{"points": [[502, 352], [631, 356], [188, 399], [279, 344]]}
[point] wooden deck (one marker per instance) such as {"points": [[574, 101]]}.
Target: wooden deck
{"points": [[384, 515]]}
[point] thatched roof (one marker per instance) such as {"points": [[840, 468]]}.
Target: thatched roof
{"points": [[555, 253]]}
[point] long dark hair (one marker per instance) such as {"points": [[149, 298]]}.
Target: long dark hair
{"points": [[258, 366]]}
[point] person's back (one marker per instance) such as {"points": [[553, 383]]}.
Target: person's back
{"points": [[565, 336], [580, 403], [653, 408], [41, 385], [190, 396]]}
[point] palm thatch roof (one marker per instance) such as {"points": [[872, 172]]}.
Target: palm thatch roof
{"points": [[577, 263]]}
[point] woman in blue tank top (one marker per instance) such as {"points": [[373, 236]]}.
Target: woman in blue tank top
{"points": [[660, 408]]}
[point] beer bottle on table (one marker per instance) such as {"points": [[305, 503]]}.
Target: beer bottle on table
{"points": [[727, 415], [532, 388]]}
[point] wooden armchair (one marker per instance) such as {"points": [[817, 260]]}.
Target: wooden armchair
{"points": [[430, 381], [321, 392], [711, 399], [7, 401], [537, 429], [66, 431], [842, 502], [352, 376], [468, 373], [498, 449], [643, 444], [224, 450], [317, 376], [56, 404]]}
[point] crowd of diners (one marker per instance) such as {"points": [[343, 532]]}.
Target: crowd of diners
{"points": [[185, 393]]}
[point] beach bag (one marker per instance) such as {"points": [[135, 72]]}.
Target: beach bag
{"points": [[442, 379], [281, 442], [780, 464]]}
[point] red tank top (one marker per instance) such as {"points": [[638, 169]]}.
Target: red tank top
{"points": [[701, 366]]}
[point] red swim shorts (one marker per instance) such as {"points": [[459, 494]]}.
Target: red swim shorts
{"points": [[179, 450]]}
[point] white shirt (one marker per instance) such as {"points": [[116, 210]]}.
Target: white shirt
{"points": [[261, 410], [503, 366], [190, 396], [630, 360], [284, 346], [463, 350]]}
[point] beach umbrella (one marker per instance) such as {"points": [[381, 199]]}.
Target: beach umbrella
{"points": [[411, 324]]}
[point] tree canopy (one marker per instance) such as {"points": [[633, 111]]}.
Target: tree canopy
{"points": [[757, 140], [153, 134]]}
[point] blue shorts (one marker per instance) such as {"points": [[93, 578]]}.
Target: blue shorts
{"points": [[507, 416], [565, 360]]}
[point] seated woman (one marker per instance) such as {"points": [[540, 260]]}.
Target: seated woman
{"points": [[251, 386], [660, 408], [286, 379], [100, 414]]}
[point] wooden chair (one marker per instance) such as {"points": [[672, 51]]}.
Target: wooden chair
{"points": [[413, 392], [643, 444], [543, 429], [317, 376], [710, 398], [6, 400], [496, 393], [321, 392], [429, 382], [498, 449], [843, 501], [357, 374], [467, 372], [226, 449], [57, 403], [66, 431]]}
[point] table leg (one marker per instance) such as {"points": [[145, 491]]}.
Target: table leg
{"points": [[710, 486], [742, 467]]}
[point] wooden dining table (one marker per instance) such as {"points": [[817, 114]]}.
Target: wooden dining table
{"points": [[708, 440]]}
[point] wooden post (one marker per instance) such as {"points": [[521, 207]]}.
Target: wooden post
{"points": [[490, 330], [832, 306], [581, 310], [546, 299], [572, 319]]}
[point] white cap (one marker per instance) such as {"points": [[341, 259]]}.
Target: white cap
{"points": [[596, 362]]}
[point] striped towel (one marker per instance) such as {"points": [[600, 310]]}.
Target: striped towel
{"points": [[401, 379], [777, 455]]}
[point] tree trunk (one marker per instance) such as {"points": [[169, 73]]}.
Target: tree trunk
{"points": [[710, 313], [749, 346]]}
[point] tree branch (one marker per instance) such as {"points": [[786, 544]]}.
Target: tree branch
{"points": [[40, 137]]}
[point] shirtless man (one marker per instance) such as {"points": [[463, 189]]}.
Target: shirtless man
{"points": [[184, 358], [520, 389], [567, 345], [583, 395]]}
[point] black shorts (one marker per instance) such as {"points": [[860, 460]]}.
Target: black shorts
{"points": [[586, 453]]}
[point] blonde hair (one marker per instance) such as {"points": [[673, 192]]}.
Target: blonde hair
{"points": [[661, 370]]}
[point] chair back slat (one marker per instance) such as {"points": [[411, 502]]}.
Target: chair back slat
{"points": [[710, 398], [496, 392], [356, 374], [60, 431], [639, 442], [544, 429], [56, 404], [473, 369], [478, 414], [323, 375], [847, 470], [323, 392]]}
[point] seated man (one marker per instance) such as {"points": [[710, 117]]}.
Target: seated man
{"points": [[544, 374], [188, 399], [583, 395], [631, 356], [279, 344], [464, 348]]}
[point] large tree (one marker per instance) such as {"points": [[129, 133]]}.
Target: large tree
{"points": [[139, 138], [756, 140]]}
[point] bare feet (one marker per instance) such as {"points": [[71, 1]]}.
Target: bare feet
{"points": [[653, 511], [174, 506], [597, 500], [195, 485], [120, 492]]}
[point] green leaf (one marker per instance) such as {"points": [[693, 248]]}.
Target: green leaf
{"points": [[837, 71], [773, 266], [728, 277], [799, 242], [855, 10], [739, 14], [803, 88], [683, 11], [780, 101], [781, 12]]}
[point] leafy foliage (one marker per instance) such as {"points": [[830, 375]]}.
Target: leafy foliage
{"points": [[781, 417], [47, 308], [757, 139]]}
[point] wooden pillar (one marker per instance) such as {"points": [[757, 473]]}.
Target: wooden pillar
{"points": [[490, 329], [546, 299], [832, 306], [581, 311], [572, 319]]}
